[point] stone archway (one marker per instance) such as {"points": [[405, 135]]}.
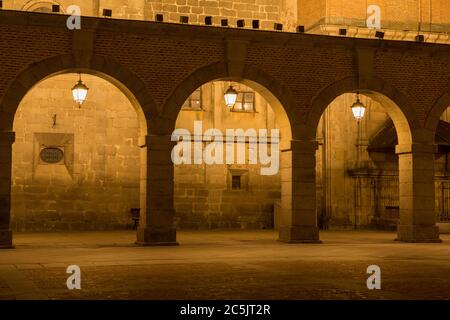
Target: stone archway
{"points": [[297, 228], [434, 114], [431, 131], [118, 75], [396, 103], [41, 6], [416, 156], [276, 94]]}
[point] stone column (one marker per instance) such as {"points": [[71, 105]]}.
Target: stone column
{"points": [[157, 211], [416, 181], [6, 141], [298, 193]]}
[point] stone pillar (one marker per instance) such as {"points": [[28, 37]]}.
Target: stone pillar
{"points": [[157, 211], [298, 193], [6, 141], [416, 182]]}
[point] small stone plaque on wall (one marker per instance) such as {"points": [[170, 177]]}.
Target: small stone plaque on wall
{"points": [[54, 149], [51, 155]]}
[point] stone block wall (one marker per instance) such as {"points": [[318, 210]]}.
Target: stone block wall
{"points": [[203, 194], [364, 194], [267, 11], [204, 198], [97, 183], [311, 12], [399, 14], [340, 197]]}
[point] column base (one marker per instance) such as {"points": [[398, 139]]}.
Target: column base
{"points": [[156, 237], [6, 239], [418, 234], [298, 234], [444, 227]]}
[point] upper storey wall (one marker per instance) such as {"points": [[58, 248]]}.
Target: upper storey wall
{"points": [[267, 11], [432, 15]]}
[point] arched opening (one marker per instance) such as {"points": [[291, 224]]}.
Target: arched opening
{"points": [[357, 168], [229, 193], [436, 130], [442, 170], [41, 6], [76, 167]]}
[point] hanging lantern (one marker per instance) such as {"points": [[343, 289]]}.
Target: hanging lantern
{"points": [[230, 97], [358, 109], [79, 92]]}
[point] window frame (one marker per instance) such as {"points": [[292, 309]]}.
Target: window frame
{"points": [[233, 176], [243, 101], [187, 105], [244, 176]]}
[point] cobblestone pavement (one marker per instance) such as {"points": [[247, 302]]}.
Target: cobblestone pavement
{"points": [[223, 265]]}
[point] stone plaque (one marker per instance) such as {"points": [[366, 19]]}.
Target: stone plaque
{"points": [[51, 155]]}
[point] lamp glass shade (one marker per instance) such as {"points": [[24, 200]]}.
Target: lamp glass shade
{"points": [[79, 92], [230, 97], [358, 110]]}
